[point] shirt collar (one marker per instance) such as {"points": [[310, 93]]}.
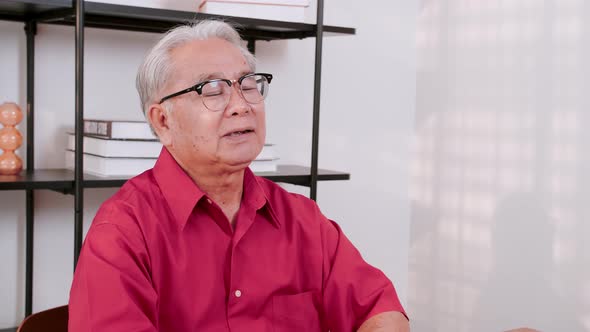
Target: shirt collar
{"points": [[170, 177], [255, 194]]}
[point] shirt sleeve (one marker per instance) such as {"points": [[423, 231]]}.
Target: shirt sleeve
{"points": [[112, 288], [353, 290]]}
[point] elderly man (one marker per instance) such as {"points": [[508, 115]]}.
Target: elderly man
{"points": [[199, 243]]}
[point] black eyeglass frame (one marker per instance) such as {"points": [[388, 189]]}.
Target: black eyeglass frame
{"points": [[199, 86]]}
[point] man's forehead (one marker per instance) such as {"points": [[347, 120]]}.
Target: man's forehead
{"points": [[209, 59], [213, 50]]}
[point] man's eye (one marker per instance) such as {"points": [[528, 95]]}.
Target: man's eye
{"points": [[249, 85], [212, 89]]}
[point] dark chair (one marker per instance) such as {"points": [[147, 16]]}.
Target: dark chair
{"points": [[51, 320]]}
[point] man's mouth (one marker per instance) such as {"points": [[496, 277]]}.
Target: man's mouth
{"points": [[239, 132]]}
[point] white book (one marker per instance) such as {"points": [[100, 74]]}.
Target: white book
{"points": [[182, 5], [105, 147], [116, 129], [268, 152], [298, 3], [276, 10], [102, 166], [262, 166]]}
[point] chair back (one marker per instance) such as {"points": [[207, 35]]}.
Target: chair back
{"points": [[54, 320]]}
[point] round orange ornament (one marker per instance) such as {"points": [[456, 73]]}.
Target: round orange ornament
{"points": [[10, 139]]}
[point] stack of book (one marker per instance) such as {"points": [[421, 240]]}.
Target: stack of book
{"points": [[115, 148], [127, 148], [302, 11], [266, 161]]}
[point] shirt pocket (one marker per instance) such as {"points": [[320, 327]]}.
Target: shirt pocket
{"points": [[297, 312]]}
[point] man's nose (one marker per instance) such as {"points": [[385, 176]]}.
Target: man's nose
{"points": [[237, 105]]}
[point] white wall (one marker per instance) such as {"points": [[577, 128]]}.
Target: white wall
{"points": [[500, 176], [366, 122]]}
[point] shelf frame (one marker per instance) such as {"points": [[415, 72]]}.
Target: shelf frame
{"points": [[82, 14]]}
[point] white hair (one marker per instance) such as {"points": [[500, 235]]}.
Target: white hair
{"points": [[157, 67]]}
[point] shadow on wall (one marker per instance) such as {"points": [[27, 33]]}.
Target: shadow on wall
{"points": [[523, 284]]}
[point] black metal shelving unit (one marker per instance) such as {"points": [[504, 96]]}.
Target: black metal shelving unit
{"points": [[81, 14]]}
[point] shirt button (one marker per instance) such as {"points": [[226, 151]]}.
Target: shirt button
{"points": [[238, 293]]}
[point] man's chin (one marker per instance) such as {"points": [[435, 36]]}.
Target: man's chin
{"points": [[237, 165]]}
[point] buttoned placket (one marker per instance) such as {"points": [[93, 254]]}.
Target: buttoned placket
{"points": [[238, 295]]}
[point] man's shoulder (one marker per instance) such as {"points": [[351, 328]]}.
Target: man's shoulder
{"points": [[275, 193], [137, 194], [287, 205]]}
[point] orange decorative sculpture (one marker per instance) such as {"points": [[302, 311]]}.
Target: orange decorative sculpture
{"points": [[10, 139]]}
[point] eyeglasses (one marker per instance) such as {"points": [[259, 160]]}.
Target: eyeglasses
{"points": [[216, 93]]}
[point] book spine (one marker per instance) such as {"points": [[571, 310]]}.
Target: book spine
{"points": [[99, 128]]}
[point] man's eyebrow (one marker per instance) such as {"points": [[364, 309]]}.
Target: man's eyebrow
{"points": [[212, 76], [208, 76], [245, 72]]}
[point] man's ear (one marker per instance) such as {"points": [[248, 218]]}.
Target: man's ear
{"points": [[159, 119]]}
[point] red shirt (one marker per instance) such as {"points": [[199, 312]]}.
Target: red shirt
{"points": [[161, 256]]}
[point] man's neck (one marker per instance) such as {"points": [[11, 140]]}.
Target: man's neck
{"points": [[224, 188]]}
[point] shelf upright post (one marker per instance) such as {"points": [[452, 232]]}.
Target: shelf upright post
{"points": [[31, 31], [317, 83], [79, 167], [252, 46]]}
